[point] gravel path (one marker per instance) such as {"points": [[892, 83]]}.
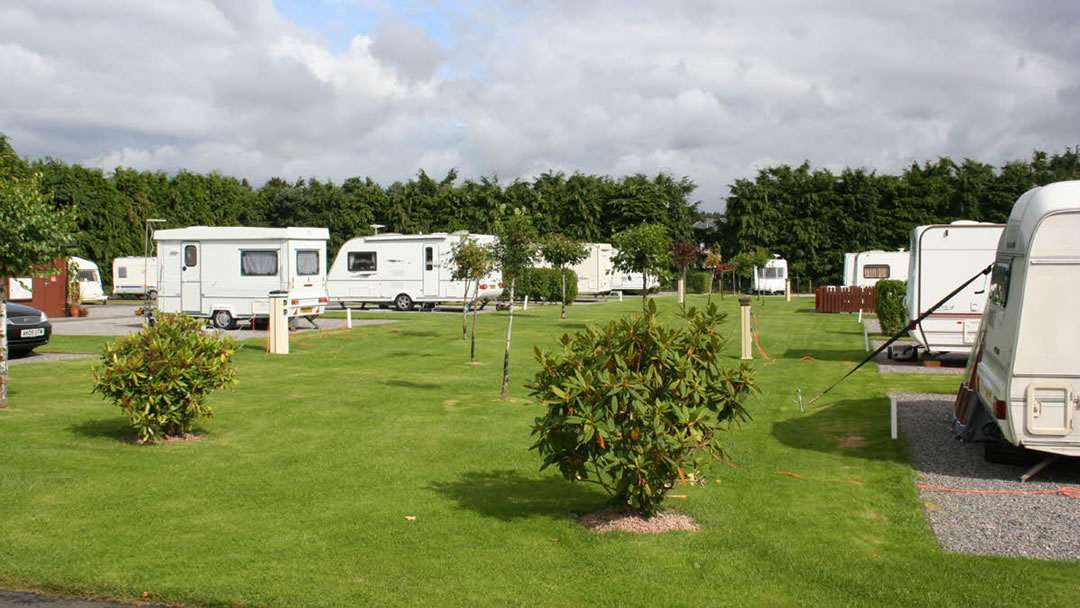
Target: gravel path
{"points": [[1039, 526], [36, 357]]}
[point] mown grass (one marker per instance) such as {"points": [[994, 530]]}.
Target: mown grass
{"points": [[299, 491]]}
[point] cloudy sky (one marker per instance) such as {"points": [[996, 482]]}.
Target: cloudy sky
{"points": [[705, 89]]}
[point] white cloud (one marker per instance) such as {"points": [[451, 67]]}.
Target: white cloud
{"points": [[703, 89]]}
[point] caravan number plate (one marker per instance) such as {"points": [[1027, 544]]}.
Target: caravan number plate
{"points": [[32, 333]]}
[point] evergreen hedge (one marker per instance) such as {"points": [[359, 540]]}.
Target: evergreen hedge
{"points": [[543, 284], [889, 305]]}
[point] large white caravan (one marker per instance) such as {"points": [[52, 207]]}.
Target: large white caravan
{"points": [[89, 280], [943, 256], [1026, 364], [772, 277], [227, 273], [594, 273], [135, 276], [866, 268], [403, 269]]}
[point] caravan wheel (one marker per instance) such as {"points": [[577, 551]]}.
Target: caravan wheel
{"points": [[223, 319], [403, 302]]}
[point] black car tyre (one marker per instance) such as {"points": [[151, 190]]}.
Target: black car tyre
{"points": [[403, 302], [223, 319]]}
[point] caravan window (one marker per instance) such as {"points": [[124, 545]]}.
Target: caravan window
{"points": [[875, 271], [258, 263], [307, 262], [88, 275], [191, 255], [121, 272], [362, 261], [429, 261], [999, 283], [774, 273]]}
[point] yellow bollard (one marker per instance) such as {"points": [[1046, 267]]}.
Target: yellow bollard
{"points": [[279, 324], [744, 315]]}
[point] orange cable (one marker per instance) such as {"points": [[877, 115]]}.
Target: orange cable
{"points": [[1067, 491], [768, 360]]}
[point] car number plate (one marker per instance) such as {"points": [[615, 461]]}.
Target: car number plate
{"points": [[32, 333]]}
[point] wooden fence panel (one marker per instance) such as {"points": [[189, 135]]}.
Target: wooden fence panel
{"points": [[844, 299]]}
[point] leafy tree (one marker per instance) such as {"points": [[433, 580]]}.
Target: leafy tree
{"points": [[515, 250], [32, 236], [685, 255], [561, 251], [645, 249], [637, 406], [472, 262], [162, 375], [745, 261]]}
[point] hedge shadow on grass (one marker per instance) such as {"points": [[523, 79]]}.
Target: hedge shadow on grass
{"points": [[507, 495], [410, 384], [852, 427]]}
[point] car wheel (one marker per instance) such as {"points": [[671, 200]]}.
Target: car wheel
{"points": [[223, 320], [403, 302]]}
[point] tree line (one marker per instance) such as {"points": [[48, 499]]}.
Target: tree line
{"points": [[808, 216], [811, 217]]}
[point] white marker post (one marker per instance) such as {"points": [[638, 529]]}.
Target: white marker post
{"points": [[348, 318], [892, 415]]}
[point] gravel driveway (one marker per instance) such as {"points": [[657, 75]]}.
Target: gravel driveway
{"points": [[1042, 526]]}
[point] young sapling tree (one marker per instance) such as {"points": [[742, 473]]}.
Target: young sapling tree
{"points": [[515, 250], [645, 249], [561, 251]]}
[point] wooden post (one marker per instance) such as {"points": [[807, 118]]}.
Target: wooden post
{"points": [[787, 289], [744, 316]]}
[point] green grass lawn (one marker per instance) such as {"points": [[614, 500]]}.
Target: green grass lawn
{"points": [[299, 491]]}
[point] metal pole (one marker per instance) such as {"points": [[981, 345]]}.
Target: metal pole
{"points": [[348, 318]]}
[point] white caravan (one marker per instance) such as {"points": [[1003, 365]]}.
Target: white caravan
{"points": [[866, 268], [135, 276], [227, 273], [90, 289], [594, 273], [771, 278], [628, 282], [943, 256], [1027, 366], [403, 269]]}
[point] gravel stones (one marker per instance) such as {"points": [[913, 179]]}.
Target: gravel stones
{"points": [[1040, 526]]}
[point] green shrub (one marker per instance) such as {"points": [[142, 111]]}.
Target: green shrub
{"points": [[889, 305], [698, 281], [543, 284], [162, 375], [636, 406]]}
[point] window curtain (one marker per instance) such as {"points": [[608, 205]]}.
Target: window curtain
{"points": [[260, 263]]}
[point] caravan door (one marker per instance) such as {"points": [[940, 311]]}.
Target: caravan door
{"points": [[190, 279], [431, 270]]}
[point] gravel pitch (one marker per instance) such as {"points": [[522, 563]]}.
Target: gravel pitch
{"points": [[1041, 526]]}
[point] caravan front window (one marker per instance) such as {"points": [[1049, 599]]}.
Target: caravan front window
{"points": [[258, 263], [875, 271], [362, 261], [999, 283], [121, 272], [307, 262], [88, 275]]}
